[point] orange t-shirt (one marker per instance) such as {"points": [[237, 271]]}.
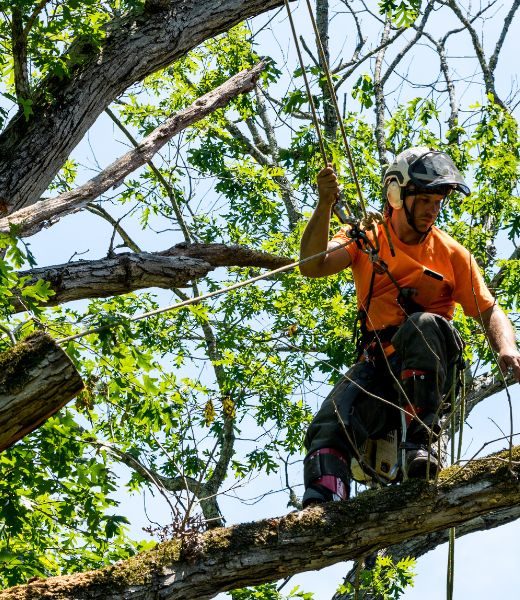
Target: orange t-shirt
{"points": [[461, 282]]}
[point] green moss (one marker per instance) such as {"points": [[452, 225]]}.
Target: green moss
{"points": [[497, 464], [139, 569], [17, 362], [240, 536]]}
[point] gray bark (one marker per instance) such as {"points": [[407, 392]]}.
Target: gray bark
{"points": [[136, 45], [222, 559], [33, 218], [124, 273], [36, 379]]}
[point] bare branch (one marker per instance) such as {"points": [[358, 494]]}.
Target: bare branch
{"points": [[411, 44], [454, 109], [293, 213], [507, 23], [487, 73], [354, 65], [32, 219], [380, 98], [101, 212], [158, 175]]}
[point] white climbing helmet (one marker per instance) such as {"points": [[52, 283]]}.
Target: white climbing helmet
{"points": [[427, 169]]}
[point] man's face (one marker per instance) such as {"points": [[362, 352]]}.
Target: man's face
{"points": [[424, 208]]}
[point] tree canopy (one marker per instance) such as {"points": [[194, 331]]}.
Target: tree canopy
{"points": [[211, 181]]}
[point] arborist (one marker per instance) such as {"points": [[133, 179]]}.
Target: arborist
{"points": [[409, 352]]}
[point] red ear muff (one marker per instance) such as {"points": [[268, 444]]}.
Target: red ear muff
{"points": [[393, 195]]}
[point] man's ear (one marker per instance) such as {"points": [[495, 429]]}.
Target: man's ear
{"points": [[393, 195]]}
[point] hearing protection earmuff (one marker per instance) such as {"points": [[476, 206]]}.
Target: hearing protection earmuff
{"points": [[393, 194]]}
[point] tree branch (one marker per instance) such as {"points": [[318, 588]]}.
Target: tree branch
{"points": [[487, 73], [250, 554], [454, 109], [125, 273], [37, 378], [136, 45], [507, 23], [158, 175], [287, 192], [418, 33], [101, 212], [379, 97], [32, 219], [354, 65], [19, 43], [419, 546]]}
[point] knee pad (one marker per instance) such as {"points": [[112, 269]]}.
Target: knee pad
{"points": [[326, 472]]}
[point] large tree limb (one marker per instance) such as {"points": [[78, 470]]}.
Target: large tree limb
{"points": [[268, 550], [128, 272], [32, 219], [419, 546], [36, 379], [136, 45]]}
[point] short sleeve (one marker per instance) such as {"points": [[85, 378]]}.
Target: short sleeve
{"points": [[471, 291], [342, 238]]}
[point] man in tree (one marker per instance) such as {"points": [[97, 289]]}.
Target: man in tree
{"points": [[409, 352]]}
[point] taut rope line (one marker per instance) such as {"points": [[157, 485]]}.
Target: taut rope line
{"points": [[202, 297], [332, 93], [315, 121]]}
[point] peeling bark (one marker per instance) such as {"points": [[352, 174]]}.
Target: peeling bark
{"points": [[36, 379], [254, 553]]}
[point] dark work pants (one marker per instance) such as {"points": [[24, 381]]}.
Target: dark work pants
{"points": [[363, 403]]}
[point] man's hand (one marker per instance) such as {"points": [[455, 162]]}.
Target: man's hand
{"points": [[328, 187], [509, 360]]}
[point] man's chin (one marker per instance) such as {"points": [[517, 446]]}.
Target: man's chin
{"points": [[425, 226]]}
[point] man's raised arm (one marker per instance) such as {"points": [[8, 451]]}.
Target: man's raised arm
{"points": [[315, 238]]}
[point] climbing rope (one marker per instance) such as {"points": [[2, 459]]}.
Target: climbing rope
{"points": [[338, 208], [332, 93], [370, 219]]}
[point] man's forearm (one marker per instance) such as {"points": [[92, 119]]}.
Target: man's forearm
{"points": [[315, 237], [502, 338]]}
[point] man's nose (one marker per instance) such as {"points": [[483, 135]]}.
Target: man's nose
{"points": [[434, 208]]}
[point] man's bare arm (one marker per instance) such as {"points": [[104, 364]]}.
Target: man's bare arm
{"points": [[502, 337], [315, 238]]}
